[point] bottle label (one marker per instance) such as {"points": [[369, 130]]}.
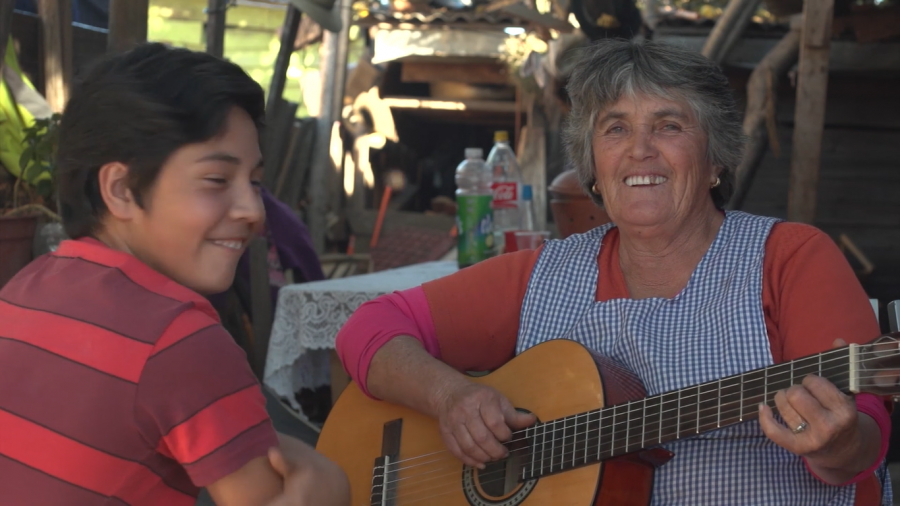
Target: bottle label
{"points": [[474, 223], [506, 194]]}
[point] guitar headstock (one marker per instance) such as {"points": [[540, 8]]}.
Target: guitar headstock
{"points": [[875, 366]]}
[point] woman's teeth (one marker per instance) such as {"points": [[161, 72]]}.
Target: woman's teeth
{"points": [[644, 180]]}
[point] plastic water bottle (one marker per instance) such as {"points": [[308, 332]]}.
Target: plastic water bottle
{"points": [[526, 208], [507, 186], [474, 218]]}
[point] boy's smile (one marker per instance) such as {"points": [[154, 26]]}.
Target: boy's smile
{"points": [[201, 212]]}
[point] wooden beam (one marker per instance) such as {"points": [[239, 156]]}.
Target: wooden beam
{"points": [[450, 105], [809, 119], [283, 60], [759, 118], [260, 300], [728, 29], [215, 27], [471, 73], [127, 24], [56, 29], [6, 15]]}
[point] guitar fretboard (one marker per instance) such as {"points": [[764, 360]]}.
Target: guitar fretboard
{"points": [[593, 436]]}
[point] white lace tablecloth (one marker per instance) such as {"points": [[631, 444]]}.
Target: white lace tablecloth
{"points": [[309, 315]]}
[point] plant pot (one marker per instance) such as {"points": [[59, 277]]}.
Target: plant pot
{"points": [[16, 242], [573, 211]]}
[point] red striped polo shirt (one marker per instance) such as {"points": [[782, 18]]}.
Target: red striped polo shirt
{"points": [[118, 386]]}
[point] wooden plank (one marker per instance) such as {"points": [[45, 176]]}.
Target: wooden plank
{"points": [[56, 29], [127, 24], [283, 60], [471, 73], [215, 27], [450, 105], [6, 15], [812, 86], [260, 299]]}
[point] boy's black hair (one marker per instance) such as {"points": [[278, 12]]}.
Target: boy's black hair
{"points": [[137, 108]]}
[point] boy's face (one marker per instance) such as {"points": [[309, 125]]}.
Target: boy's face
{"points": [[203, 209]]}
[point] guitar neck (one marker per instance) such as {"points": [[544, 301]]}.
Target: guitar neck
{"points": [[593, 436]]}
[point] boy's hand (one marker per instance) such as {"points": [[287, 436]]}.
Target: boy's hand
{"points": [[310, 479]]}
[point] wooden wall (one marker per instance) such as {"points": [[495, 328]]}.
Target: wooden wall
{"points": [[859, 186]]}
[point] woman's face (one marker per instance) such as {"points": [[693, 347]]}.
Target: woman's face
{"points": [[650, 162]]}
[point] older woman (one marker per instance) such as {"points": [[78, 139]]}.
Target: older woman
{"points": [[677, 290]]}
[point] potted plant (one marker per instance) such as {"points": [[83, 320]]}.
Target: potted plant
{"points": [[26, 196]]}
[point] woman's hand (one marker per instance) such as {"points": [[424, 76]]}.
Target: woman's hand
{"points": [[474, 419], [822, 424]]}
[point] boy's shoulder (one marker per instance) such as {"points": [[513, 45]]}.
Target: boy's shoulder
{"points": [[88, 286]]}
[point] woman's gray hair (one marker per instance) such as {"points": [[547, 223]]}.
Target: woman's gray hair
{"points": [[610, 69]]}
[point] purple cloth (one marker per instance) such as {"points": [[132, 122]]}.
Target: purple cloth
{"points": [[292, 242]]}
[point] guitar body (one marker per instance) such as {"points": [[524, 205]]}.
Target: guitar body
{"points": [[553, 380]]}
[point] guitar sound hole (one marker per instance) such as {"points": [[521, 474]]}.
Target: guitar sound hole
{"points": [[493, 479]]}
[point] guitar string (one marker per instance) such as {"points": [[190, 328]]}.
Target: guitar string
{"points": [[564, 456], [613, 444], [703, 418], [699, 418], [728, 408], [687, 397], [777, 366], [406, 493]]}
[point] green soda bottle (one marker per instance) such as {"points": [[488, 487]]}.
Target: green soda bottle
{"points": [[474, 218]]}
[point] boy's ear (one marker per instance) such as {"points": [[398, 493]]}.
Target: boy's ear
{"points": [[113, 182]]}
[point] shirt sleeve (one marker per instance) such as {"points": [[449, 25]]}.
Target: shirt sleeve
{"points": [[378, 321], [476, 310], [817, 297], [199, 403]]}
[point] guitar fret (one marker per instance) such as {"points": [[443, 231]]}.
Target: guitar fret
{"points": [[544, 448], [643, 417], [612, 439], [765, 386], [678, 417], [661, 409], [719, 406], [574, 440], [741, 403], [697, 430]]}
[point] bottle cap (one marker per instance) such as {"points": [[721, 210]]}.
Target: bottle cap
{"points": [[526, 192], [501, 136], [474, 153]]}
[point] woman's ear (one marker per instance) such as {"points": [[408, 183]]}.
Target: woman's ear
{"points": [[113, 183]]}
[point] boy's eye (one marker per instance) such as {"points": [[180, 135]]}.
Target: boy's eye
{"points": [[257, 183], [216, 180]]}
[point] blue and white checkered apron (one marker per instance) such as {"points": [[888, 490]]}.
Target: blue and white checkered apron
{"points": [[714, 328]]}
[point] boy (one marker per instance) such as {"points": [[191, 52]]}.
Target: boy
{"points": [[118, 385]]}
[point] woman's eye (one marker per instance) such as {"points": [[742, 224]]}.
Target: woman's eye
{"points": [[615, 129], [256, 183], [216, 180], [671, 127]]}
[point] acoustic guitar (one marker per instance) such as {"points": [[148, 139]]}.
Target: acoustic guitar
{"points": [[597, 438]]}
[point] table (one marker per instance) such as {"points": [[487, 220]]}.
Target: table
{"points": [[309, 315]]}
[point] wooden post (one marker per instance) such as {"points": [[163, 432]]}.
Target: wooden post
{"points": [[283, 60], [759, 118], [323, 178], [215, 27], [6, 14], [56, 28], [127, 24], [809, 118], [728, 29]]}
